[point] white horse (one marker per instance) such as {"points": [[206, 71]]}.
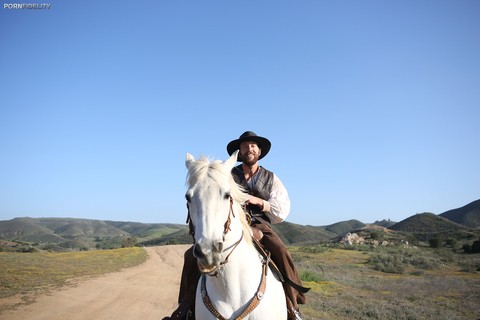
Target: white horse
{"points": [[235, 283]]}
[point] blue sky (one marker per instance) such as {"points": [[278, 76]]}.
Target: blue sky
{"points": [[372, 107]]}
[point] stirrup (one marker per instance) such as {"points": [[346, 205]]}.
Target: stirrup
{"points": [[295, 314]]}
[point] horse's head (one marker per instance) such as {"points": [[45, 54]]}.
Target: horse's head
{"points": [[213, 198]]}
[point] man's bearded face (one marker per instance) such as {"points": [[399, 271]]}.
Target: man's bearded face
{"points": [[249, 151]]}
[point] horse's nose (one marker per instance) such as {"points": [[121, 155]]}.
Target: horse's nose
{"points": [[200, 251]]}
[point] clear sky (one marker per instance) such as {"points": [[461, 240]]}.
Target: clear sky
{"points": [[372, 107]]}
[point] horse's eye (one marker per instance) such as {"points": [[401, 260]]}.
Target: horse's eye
{"points": [[227, 195], [187, 196]]}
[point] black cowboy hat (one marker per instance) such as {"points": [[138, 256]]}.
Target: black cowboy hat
{"points": [[263, 143]]}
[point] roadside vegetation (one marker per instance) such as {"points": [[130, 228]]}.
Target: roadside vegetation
{"points": [[30, 274], [348, 282], [363, 282]]}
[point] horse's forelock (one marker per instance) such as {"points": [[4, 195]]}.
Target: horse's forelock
{"points": [[198, 170], [205, 167]]}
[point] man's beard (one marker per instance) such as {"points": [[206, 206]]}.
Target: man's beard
{"points": [[250, 161]]}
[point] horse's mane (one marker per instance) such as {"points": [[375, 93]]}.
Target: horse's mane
{"points": [[215, 170]]}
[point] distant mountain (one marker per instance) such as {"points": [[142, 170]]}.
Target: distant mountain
{"points": [[28, 230], [178, 237], [148, 231], [384, 223], [83, 234], [345, 226], [468, 215], [69, 233], [74, 228], [426, 223], [425, 226], [292, 233]]}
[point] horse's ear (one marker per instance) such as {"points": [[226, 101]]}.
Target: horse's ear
{"points": [[189, 160], [230, 163]]}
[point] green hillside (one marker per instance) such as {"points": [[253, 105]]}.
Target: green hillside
{"points": [[292, 233], [426, 223], [345, 226], [60, 234], [426, 226], [27, 230], [468, 215]]}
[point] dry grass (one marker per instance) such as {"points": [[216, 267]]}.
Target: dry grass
{"points": [[345, 285], [350, 287], [29, 274]]}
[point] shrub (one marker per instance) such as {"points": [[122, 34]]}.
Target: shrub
{"points": [[467, 248], [435, 242], [129, 242], [475, 247], [451, 242], [387, 263], [424, 263], [310, 276], [377, 235], [313, 249]]}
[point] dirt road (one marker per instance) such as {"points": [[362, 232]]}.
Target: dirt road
{"points": [[147, 291]]}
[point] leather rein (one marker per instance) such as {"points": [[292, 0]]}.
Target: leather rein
{"points": [[255, 301]]}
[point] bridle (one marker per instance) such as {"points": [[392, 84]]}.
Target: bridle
{"points": [[255, 301], [226, 228]]}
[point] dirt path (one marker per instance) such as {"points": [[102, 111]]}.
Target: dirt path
{"points": [[144, 292]]}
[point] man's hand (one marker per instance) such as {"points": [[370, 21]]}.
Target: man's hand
{"points": [[256, 202]]}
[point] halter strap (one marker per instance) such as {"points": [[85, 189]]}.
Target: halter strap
{"points": [[226, 226], [234, 247]]}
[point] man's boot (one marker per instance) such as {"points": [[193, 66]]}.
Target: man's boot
{"points": [[183, 312], [188, 289]]}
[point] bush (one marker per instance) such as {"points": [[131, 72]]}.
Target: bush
{"points": [[129, 242], [377, 235], [313, 249], [387, 263], [467, 248], [476, 247], [424, 263], [310, 276], [435, 242], [451, 242]]}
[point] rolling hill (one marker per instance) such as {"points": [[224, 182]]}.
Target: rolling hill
{"points": [[83, 234], [345, 226], [468, 215], [425, 226], [69, 233], [426, 223], [292, 233]]}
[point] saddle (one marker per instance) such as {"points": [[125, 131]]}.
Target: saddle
{"points": [[257, 236]]}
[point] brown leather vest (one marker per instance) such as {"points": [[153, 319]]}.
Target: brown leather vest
{"points": [[261, 189]]}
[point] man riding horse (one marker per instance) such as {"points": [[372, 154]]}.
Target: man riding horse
{"points": [[268, 204]]}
